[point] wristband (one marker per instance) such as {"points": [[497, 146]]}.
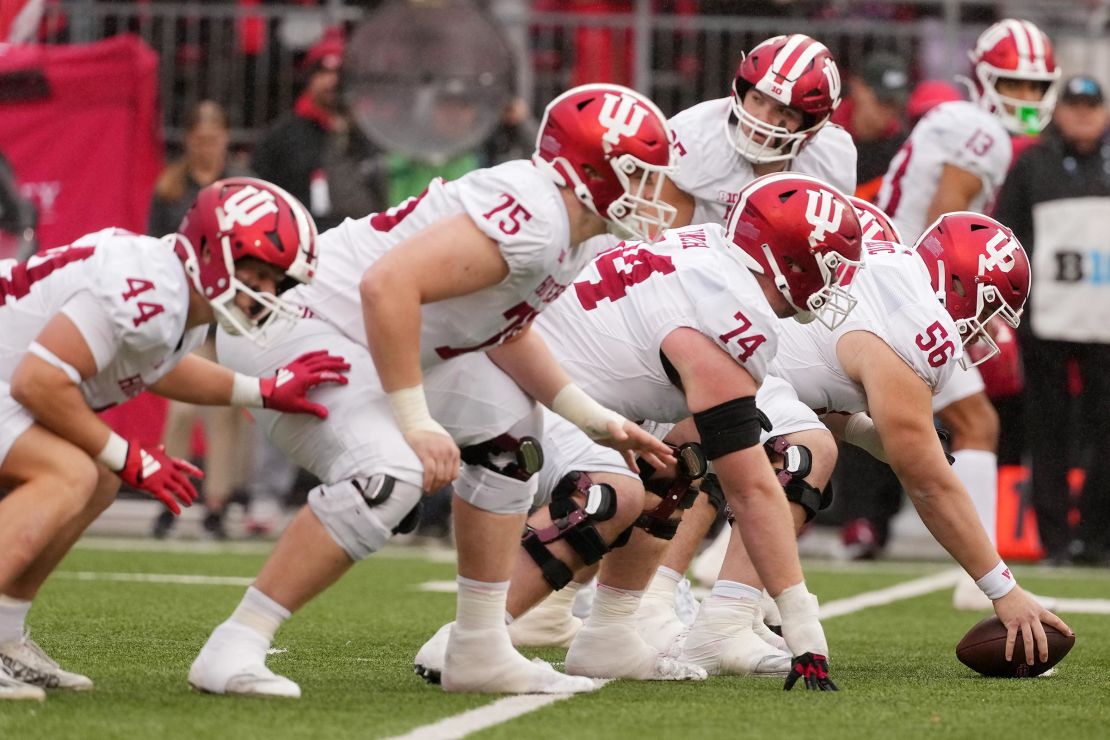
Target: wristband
{"points": [[114, 454], [410, 407], [998, 582], [246, 390], [575, 405]]}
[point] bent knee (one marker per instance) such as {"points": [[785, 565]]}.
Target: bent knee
{"points": [[972, 423]]}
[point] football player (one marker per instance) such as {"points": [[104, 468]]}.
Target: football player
{"points": [[955, 160], [875, 377], [782, 97], [660, 331], [410, 295], [92, 324]]}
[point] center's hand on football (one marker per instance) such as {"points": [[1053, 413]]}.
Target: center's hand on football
{"points": [[632, 441], [438, 454], [1020, 612]]}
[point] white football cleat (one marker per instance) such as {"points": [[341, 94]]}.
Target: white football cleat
{"points": [[659, 625], [485, 662], [549, 623], [233, 661], [12, 689], [432, 655], [29, 663], [618, 651], [723, 642]]}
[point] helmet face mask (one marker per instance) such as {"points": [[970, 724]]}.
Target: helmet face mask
{"points": [[1015, 50], [245, 219], [806, 237], [795, 71], [980, 272], [613, 148]]}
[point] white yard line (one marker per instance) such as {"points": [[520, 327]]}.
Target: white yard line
{"points": [[176, 578], [473, 720], [891, 594]]}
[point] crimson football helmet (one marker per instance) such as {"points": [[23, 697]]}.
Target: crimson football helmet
{"points": [[613, 147], [979, 270], [1017, 50], [876, 225], [796, 71], [806, 235], [238, 218]]}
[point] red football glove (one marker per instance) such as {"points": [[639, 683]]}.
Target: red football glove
{"points": [[814, 669], [286, 391], [163, 477]]}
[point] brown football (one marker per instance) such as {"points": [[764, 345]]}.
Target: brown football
{"points": [[983, 649]]}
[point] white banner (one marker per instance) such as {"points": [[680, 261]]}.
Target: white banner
{"points": [[1071, 270]]}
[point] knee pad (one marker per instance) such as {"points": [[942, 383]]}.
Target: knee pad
{"points": [[518, 458], [574, 523], [676, 494], [800, 492], [361, 514], [495, 492]]}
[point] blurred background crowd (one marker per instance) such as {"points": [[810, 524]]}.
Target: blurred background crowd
{"points": [[116, 113]]}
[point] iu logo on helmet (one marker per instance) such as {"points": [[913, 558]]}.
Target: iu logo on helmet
{"points": [[824, 213], [245, 207], [621, 115], [998, 257]]}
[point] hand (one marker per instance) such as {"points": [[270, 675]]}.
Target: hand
{"points": [[1020, 612], [287, 390], [163, 477], [814, 669], [632, 441], [438, 454]]}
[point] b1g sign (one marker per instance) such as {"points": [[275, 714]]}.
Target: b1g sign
{"points": [[1071, 270]]}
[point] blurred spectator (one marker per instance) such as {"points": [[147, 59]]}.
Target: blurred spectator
{"points": [[315, 152], [17, 217], [514, 137], [204, 161], [872, 112], [453, 113], [1057, 201]]}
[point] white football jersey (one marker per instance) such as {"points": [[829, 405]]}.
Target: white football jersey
{"points": [[606, 331], [513, 203], [711, 170], [898, 305], [958, 133], [128, 296]]}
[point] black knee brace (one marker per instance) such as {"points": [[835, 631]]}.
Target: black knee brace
{"points": [[575, 524], [677, 494], [797, 464], [377, 489], [507, 455]]}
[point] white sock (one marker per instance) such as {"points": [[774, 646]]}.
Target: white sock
{"points": [[13, 615], [480, 604], [663, 584], [259, 613], [978, 471], [736, 591], [614, 606], [562, 599]]}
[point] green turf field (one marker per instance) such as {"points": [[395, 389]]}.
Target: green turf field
{"points": [[351, 652]]}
